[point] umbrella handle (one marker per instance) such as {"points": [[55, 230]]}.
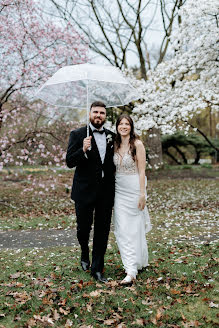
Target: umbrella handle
{"points": [[87, 118], [87, 129], [88, 113]]}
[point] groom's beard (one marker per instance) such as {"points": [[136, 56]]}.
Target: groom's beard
{"points": [[97, 125]]}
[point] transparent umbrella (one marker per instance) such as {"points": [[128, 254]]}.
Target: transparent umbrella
{"points": [[78, 86]]}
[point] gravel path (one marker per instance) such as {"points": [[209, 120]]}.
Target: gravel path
{"points": [[37, 238], [18, 239]]}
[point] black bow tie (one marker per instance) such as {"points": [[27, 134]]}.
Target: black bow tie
{"points": [[99, 131]]}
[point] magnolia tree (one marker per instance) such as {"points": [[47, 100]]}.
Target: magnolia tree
{"points": [[183, 86], [28, 136], [32, 49]]}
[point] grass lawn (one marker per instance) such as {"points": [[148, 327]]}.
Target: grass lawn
{"points": [[47, 288]]}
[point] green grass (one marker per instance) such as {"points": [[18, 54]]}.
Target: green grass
{"points": [[178, 288], [36, 200], [207, 166], [39, 222], [46, 287]]}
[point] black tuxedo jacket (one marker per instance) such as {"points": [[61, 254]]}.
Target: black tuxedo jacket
{"points": [[88, 173]]}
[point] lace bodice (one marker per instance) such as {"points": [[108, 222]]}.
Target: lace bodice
{"points": [[125, 164]]}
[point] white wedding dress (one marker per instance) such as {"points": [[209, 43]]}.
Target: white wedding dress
{"points": [[130, 224]]}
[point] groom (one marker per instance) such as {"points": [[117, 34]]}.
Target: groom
{"points": [[93, 186]]}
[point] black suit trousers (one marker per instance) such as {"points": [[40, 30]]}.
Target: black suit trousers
{"points": [[99, 212]]}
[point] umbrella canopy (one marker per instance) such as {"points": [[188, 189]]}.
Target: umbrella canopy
{"points": [[78, 86]]}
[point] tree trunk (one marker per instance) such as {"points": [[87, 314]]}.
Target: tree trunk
{"points": [[1, 116], [210, 123], [181, 153], [172, 157], [197, 158], [155, 148]]}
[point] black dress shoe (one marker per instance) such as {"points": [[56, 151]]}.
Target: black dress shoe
{"points": [[99, 276], [85, 265]]}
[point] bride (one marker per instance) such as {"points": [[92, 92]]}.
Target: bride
{"points": [[131, 218]]}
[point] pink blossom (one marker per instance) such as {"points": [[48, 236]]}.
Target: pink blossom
{"points": [[32, 49]]}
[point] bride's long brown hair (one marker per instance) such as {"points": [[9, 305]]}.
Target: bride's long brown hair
{"points": [[133, 135]]}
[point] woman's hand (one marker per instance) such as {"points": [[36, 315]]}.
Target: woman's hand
{"points": [[141, 202]]}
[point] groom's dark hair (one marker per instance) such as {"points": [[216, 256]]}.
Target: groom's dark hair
{"points": [[97, 104]]}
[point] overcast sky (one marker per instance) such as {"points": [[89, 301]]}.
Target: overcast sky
{"points": [[153, 36]]}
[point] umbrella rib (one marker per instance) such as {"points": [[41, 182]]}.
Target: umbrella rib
{"points": [[82, 107], [66, 81], [119, 97]]}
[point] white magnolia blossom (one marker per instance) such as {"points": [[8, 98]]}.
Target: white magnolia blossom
{"points": [[188, 83]]}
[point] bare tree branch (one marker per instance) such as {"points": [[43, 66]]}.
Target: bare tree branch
{"points": [[115, 32], [204, 135], [167, 29]]}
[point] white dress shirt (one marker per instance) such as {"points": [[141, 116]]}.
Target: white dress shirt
{"points": [[100, 141]]}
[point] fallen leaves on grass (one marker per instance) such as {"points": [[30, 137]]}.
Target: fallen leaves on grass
{"points": [[95, 293], [15, 275], [46, 319], [56, 315], [213, 305], [192, 323], [68, 323], [138, 322], [175, 292], [110, 322], [180, 273], [20, 297]]}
